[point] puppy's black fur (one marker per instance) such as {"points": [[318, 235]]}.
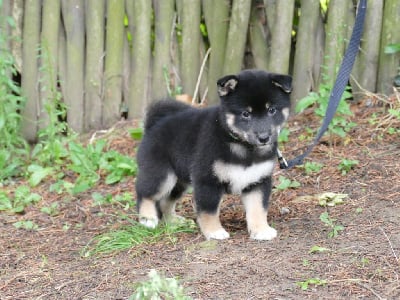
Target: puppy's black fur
{"points": [[228, 148]]}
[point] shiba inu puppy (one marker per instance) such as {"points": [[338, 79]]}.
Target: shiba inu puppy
{"points": [[229, 148]]}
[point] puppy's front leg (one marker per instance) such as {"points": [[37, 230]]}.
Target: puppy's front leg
{"points": [[256, 204], [208, 199]]}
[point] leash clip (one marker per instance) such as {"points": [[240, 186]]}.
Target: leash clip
{"points": [[282, 161]]}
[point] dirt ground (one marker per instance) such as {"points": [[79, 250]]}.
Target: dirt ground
{"points": [[362, 262]]}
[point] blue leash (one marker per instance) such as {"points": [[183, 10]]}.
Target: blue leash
{"points": [[341, 81]]}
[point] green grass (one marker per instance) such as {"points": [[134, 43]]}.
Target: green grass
{"points": [[135, 234]]}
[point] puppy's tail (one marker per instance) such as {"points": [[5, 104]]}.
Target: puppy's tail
{"points": [[161, 109]]}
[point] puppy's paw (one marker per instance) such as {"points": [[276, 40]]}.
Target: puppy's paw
{"points": [[219, 234], [267, 234], [148, 222]]}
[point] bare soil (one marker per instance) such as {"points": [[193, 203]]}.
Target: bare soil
{"points": [[362, 261]]}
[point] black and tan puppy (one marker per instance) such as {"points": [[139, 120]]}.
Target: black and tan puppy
{"points": [[230, 148]]}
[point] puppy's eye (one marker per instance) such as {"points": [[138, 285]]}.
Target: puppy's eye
{"points": [[271, 111], [246, 114]]}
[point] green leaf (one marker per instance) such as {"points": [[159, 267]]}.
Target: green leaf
{"points": [[392, 48], [114, 177], [315, 249], [38, 173], [285, 183], [28, 225], [5, 201], [284, 135], [81, 187], [306, 102], [136, 133]]}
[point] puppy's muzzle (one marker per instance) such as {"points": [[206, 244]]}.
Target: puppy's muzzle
{"points": [[263, 138]]}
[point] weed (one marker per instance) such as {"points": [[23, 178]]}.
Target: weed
{"points": [[136, 133], [284, 135], [51, 210], [89, 161], [27, 225], [359, 210], [14, 149], [159, 287], [286, 183], [339, 124], [22, 198], [38, 173], [312, 167], [118, 166], [346, 165], [124, 199], [329, 222], [318, 249], [55, 133], [314, 281]]}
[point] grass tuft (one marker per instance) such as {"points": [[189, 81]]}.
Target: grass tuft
{"points": [[136, 235]]}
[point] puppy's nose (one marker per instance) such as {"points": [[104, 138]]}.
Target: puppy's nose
{"points": [[263, 138]]}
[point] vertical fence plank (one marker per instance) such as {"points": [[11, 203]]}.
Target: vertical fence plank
{"points": [[164, 18], [95, 10], [258, 37], [281, 37], [73, 16], [336, 34], [389, 63], [366, 65], [140, 56], [190, 55], [29, 80], [304, 59], [237, 36], [270, 7], [217, 26], [113, 62], [48, 56]]}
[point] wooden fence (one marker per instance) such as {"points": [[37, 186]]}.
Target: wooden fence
{"points": [[107, 59]]}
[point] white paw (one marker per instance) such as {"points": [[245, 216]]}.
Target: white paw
{"points": [[148, 222], [219, 234], [266, 234]]}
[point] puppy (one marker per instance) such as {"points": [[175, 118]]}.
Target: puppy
{"points": [[229, 148]]}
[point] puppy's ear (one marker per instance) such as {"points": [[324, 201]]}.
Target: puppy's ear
{"points": [[284, 82], [227, 84]]}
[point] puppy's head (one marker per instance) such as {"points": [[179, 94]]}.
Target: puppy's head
{"points": [[254, 106]]}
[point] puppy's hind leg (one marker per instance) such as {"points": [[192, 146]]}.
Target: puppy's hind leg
{"points": [[167, 204], [148, 212], [150, 197]]}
